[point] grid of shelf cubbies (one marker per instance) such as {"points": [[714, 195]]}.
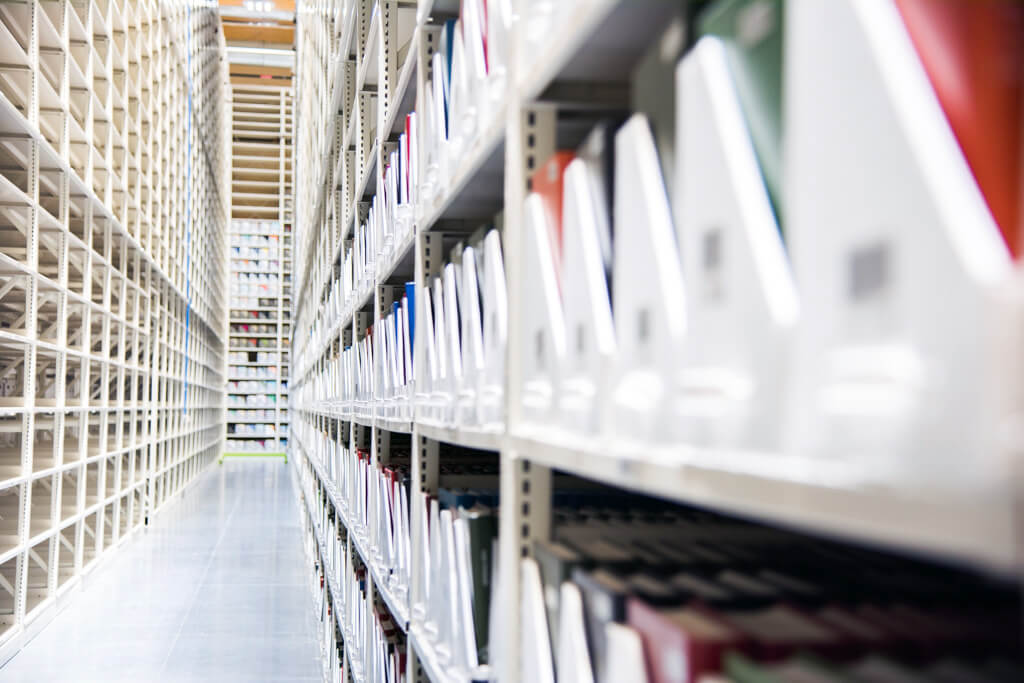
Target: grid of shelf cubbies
{"points": [[111, 387], [362, 67], [260, 253]]}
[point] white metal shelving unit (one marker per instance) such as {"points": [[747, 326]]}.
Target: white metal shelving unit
{"points": [[113, 137], [363, 65], [261, 266]]}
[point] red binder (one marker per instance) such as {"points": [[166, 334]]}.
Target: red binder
{"points": [[681, 644], [547, 182], [973, 52]]}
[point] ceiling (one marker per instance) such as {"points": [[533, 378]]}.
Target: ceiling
{"points": [[260, 37]]}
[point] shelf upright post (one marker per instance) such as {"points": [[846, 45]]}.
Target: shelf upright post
{"points": [[360, 440], [525, 486], [279, 313], [425, 478], [387, 68], [103, 399], [157, 326], [364, 18], [30, 317], [381, 447], [63, 256]]}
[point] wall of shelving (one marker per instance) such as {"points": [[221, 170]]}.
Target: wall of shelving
{"points": [[113, 142], [261, 266], [443, 325], [257, 391]]}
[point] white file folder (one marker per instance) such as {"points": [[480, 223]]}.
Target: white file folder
{"points": [[453, 342], [900, 375], [542, 332], [535, 643], [441, 391], [590, 332], [898, 363], [573, 656], [491, 384], [460, 98], [625, 654], [741, 298], [412, 142], [428, 137], [498, 19], [429, 371], [439, 143], [466, 643], [649, 305], [449, 644], [435, 620], [472, 341], [409, 375]]}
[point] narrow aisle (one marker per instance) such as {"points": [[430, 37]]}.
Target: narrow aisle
{"points": [[214, 590]]}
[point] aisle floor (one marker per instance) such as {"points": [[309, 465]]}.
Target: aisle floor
{"points": [[214, 589]]}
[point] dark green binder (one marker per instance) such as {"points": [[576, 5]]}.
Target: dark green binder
{"points": [[752, 32]]}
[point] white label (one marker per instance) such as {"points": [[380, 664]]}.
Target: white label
{"points": [[869, 272]]}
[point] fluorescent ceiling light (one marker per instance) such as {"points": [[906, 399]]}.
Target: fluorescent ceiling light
{"points": [[261, 56]]}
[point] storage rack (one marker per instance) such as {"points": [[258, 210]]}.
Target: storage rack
{"points": [[260, 246], [112, 132], [362, 66]]}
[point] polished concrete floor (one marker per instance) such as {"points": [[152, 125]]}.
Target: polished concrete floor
{"points": [[214, 590]]}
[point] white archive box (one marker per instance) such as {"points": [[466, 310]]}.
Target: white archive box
{"points": [[472, 343], [407, 321], [490, 394], [441, 395], [462, 99], [741, 302], [393, 363], [590, 331], [904, 356], [463, 327], [876, 341], [650, 315], [542, 332]]}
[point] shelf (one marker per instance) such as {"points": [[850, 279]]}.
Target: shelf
{"points": [[366, 183], [429, 658], [404, 96], [815, 496], [398, 610], [361, 300], [140, 382], [598, 41], [254, 308], [369, 53], [577, 64], [392, 425], [401, 261], [474, 189], [270, 231], [468, 438]]}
